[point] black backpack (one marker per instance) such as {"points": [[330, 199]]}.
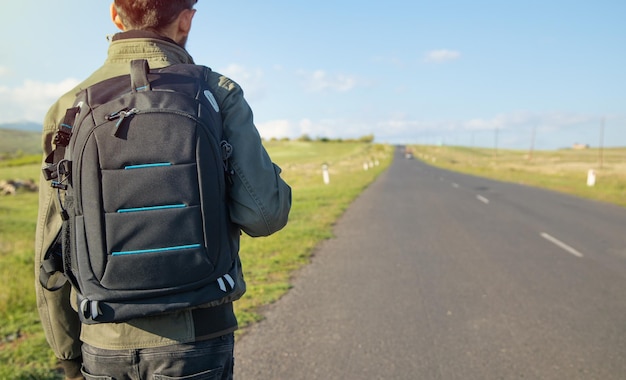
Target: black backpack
{"points": [[142, 173]]}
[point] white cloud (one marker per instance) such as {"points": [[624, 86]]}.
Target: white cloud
{"points": [[306, 126], [442, 55], [288, 128], [320, 81], [4, 71], [553, 129], [500, 121], [30, 101], [330, 128], [251, 80], [547, 120], [506, 121], [334, 128], [277, 129]]}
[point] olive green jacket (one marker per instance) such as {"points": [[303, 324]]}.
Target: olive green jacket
{"points": [[259, 203]]}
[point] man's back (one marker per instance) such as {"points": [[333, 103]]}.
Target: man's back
{"points": [[145, 196], [261, 214]]}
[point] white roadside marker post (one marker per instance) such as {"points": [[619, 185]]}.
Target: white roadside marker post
{"points": [[325, 174], [591, 178]]}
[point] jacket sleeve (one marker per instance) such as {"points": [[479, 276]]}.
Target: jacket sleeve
{"points": [[60, 322], [259, 198]]}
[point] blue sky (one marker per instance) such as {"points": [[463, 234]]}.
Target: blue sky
{"points": [[475, 73]]}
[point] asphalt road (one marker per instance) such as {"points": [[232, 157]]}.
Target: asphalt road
{"points": [[439, 275]]}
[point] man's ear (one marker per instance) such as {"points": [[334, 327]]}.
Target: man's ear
{"points": [[115, 17], [184, 21]]}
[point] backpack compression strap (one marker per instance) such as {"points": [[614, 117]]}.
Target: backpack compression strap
{"points": [[139, 70], [54, 170]]}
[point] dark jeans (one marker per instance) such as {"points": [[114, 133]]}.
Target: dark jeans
{"points": [[204, 360]]}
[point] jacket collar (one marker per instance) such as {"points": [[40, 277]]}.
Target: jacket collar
{"points": [[140, 34], [158, 50]]}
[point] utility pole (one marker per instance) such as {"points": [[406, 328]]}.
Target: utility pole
{"points": [[532, 144], [601, 151], [495, 144]]}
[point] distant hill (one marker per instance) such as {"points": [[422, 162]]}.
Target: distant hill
{"points": [[22, 126], [26, 141]]}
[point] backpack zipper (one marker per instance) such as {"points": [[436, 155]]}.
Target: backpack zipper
{"points": [[121, 115]]}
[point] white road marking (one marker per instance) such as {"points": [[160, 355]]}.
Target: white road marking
{"points": [[455, 185], [482, 199], [561, 244]]}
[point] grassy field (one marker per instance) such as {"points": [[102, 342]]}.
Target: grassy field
{"points": [[562, 170], [19, 142], [268, 262]]}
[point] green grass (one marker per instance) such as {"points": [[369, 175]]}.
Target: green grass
{"points": [[562, 170], [24, 353], [16, 142], [20, 162], [268, 262]]}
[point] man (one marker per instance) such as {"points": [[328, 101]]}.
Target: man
{"points": [[190, 343]]}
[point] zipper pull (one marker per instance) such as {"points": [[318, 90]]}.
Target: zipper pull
{"points": [[115, 114], [121, 115]]}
